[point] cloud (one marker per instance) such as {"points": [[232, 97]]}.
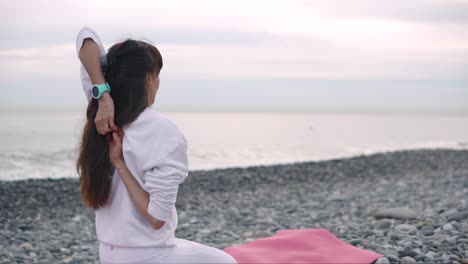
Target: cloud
{"points": [[419, 11], [275, 56], [318, 42]]}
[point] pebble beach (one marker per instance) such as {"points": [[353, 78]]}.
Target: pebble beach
{"points": [[411, 206]]}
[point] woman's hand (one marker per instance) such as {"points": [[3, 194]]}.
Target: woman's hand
{"points": [[105, 115], [115, 148]]}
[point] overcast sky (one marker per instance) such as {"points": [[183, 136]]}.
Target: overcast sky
{"points": [[339, 56]]}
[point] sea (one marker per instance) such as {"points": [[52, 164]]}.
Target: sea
{"points": [[43, 143]]}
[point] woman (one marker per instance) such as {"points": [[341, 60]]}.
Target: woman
{"points": [[132, 161]]}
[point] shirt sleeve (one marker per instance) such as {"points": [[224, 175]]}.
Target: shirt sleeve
{"points": [[84, 33], [162, 182]]}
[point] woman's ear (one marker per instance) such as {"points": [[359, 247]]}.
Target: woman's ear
{"points": [[149, 79]]}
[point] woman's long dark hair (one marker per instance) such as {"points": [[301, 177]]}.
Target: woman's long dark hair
{"points": [[128, 63]]}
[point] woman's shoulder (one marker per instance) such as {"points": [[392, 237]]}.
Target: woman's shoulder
{"points": [[152, 124]]}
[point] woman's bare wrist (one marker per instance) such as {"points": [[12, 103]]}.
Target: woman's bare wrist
{"points": [[120, 166]]}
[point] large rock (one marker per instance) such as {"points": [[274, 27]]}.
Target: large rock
{"points": [[396, 212]]}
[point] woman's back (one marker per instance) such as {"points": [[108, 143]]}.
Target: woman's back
{"points": [[155, 152]]}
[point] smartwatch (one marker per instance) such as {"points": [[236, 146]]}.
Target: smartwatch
{"points": [[99, 89]]}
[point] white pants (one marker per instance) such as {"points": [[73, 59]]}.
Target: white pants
{"points": [[185, 251]]}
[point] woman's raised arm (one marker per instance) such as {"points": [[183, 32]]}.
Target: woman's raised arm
{"points": [[90, 58]]}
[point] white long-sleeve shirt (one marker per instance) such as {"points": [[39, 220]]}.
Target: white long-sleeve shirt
{"points": [[155, 152]]}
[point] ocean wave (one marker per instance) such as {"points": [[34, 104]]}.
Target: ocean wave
{"points": [[21, 165]]}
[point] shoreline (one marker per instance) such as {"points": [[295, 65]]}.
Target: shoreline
{"points": [[44, 221], [460, 146]]}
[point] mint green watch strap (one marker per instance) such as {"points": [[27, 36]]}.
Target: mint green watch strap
{"points": [[99, 89]]}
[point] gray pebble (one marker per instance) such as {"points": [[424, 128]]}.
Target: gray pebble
{"points": [[355, 241], [405, 228], [447, 226], [458, 216], [408, 260], [382, 260], [393, 258], [67, 260], [383, 224], [448, 213], [397, 213]]}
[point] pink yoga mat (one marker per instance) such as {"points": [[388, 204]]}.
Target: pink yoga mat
{"points": [[300, 246]]}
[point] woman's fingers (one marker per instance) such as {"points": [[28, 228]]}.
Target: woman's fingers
{"points": [[120, 131], [104, 129], [107, 128], [112, 125], [117, 137], [112, 136], [104, 126]]}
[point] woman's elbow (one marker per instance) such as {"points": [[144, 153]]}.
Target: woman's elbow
{"points": [[158, 225], [155, 223]]}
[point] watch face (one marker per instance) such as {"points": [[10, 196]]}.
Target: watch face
{"points": [[95, 91]]}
